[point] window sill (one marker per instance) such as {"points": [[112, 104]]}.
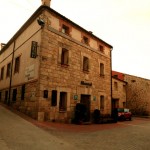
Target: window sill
{"points": [[66, 34], [102, 75], [16, 72], [64, 65], [87, 44], [62, 111], [86, 71]]}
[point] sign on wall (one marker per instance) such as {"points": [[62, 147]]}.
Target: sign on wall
{"points": [[29, 73], [34, 46]]}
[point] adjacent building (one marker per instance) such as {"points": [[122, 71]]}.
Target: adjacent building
{"points": [[137, 93], [119, 90], [51, 64]]}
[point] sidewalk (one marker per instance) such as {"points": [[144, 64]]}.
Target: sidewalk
{"points": [[18, 134], [47, 125]]}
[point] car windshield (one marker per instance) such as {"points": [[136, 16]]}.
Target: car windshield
{"points": [[123, 110], [126, 110], [120, 109]]}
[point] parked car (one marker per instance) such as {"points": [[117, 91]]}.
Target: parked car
{"points": [[124, 114]]}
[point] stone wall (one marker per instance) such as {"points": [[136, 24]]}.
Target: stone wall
{"points": [[138, 94]]}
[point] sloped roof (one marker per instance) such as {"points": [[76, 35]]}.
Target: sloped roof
{"points": [[33, 17]]}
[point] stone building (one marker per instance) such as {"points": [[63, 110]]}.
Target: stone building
{"points": [[138, 93], [51, 64], [118, 93]]}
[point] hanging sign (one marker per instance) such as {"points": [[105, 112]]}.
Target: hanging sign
{"points": [[34, 49]]}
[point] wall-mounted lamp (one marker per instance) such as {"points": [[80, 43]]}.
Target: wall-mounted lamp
{"points": [[41, 22]]}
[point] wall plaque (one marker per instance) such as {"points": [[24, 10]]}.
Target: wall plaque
{"points": [[86, 83]]}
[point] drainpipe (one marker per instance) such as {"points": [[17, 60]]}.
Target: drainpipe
{"points": [[111, 77], [11, 72]]}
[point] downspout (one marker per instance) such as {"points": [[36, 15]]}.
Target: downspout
{"points": [[126, 93], [11, 72], [111, 77]]}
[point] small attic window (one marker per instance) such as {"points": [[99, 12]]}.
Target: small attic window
{"points": [[115, 76], [65, 29], [133, 81], [101, 48], [85, 40]]}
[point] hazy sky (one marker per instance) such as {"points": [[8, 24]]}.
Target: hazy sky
{"points": [[124, 24]]}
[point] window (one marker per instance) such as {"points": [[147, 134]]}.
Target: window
{"points": [[45, 94], [6, 96], [22, 92], [115, 76], [17, 65], [133, 81], [85, 63], [101, 102], [64, 56], [63, 101], [115, 86], [124, 104], [14, 95], [101, 48], [65, 29], [54, 98], [2, 73], [101, 69], [0, 96], [85, 40], [8, 70], [124, 88]]}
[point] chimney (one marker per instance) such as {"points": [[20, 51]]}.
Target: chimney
{"points": [[46, 2]]}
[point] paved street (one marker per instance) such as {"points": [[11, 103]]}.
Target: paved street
{"points": [[20, 133]]}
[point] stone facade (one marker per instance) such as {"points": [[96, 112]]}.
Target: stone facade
{"points": [[118, 93], [137, 93], [71, 66]]}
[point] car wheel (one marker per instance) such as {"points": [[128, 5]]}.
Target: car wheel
{"points": [[122, 118], [130, 119]]}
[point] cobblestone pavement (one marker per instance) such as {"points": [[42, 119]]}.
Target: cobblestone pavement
{"points": [[127, 135]]}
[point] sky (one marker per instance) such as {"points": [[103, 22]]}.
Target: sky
{"points": [[124, 24]]}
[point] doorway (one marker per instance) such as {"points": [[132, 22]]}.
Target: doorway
{"points": [[115, 103], [85, 99], [14, 96]]}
